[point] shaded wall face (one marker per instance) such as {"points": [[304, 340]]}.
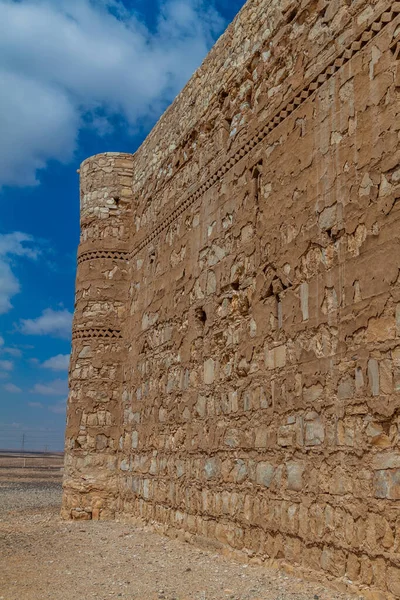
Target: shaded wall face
{"points": [[236, 360], [263, 369]]}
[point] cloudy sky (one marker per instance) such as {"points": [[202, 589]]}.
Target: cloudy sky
{"points": [[77, 77]]}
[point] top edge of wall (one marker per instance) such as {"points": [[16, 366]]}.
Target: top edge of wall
{"points": [[170, 121]]}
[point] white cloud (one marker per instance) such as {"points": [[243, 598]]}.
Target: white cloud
{"points": [[59, 408], [35, 404], [9, 286], [57, 363], [12, 245], [15, 352], [67, 63], [6, 365], [58, 387], [57, 323], [17, 244], [12, 352], [41, 124], [13, 389]]}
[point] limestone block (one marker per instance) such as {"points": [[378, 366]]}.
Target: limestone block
{"points": [[345, 433], [353, 567], [125, 466], [102, 442], [294, 472], [162, 415], [314, 430], [79, 514], [311, 394], [153, 470], [233, 401], [240, 471], [147, 489], [149, 319], [211, 283], [386, 377], [341, 482], [387, 484], [386, 460], [262, 437], [180, 468], [286, 436], [359, 379], [275, 358], [377, 436], [201, 405], [373, 376], [304, 300], [86, 352], [212, 468], [232, 438], [209, 371], [265, 473], [346, 388], [327, 218]]}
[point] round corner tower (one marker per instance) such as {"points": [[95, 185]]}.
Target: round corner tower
{"points": [[96, 369]]}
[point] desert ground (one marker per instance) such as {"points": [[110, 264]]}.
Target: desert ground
{"points": [[42, 557]]}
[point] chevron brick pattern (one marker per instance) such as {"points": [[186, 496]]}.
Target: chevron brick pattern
{"points": [[103, 254], [96, 333]]}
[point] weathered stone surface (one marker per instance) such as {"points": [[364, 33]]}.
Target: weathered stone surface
{"points": [[235, 371], [265, 474], [295, 472]]}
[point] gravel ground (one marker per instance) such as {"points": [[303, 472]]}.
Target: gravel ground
{"points": [[42, 558], [22, 495]]}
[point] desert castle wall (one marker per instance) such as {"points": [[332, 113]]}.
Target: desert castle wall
{"points": [[235, 372]]}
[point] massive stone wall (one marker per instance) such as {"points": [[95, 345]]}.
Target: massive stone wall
{"points": [[235, 372]]}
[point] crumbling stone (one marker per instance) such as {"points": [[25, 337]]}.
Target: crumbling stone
{"points": [[235, 370]]}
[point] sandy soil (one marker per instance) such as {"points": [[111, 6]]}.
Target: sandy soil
{"points": [[42, 557]]}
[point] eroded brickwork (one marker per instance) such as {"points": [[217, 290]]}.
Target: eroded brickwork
{"points": [[236, 359], [95, 411]]}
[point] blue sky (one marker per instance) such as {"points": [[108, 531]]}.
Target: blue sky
{"points": [[77, 77]]}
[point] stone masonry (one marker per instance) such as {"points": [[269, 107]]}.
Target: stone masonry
{"points": [[235, 372]]}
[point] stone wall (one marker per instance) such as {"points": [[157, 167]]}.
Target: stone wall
{"points": [[94, 420], [236, 361]]}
